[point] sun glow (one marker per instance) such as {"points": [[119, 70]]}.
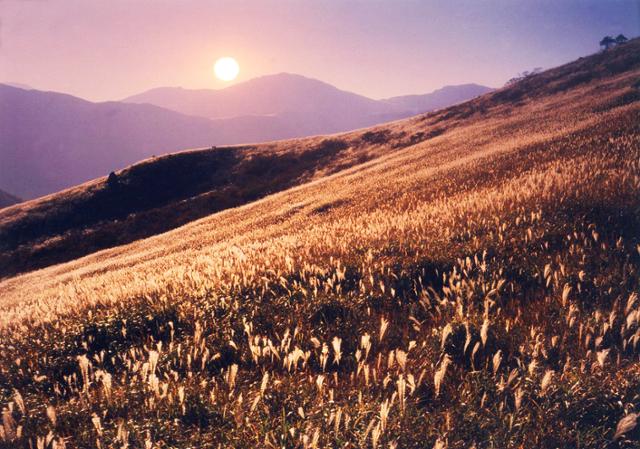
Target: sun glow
{"points": [[226, 68]]}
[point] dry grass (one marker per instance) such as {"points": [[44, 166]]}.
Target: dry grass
{"points": [[163, 193], [476, 289]]}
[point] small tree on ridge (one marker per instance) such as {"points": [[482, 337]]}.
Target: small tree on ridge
{"points": [[607, 42], [621, 39]]}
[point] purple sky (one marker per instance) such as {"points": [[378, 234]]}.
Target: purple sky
{"points": [[110, 49]]}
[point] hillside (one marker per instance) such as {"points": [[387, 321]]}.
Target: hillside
{"points": [[52, 141], [6, 199], [160, 194], [163, 193], [474, 284]]}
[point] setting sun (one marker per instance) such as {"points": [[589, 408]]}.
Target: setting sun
{"points": [[226, 68]]}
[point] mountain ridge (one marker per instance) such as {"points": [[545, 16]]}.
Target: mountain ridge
{"points": [[52, 141], [162, 193], [205, 102], [439, 98]]}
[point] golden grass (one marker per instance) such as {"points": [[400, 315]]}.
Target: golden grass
{"points": [[479, 288]]}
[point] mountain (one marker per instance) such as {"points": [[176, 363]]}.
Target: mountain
{"points": [[52, 141], [467, 277], [162, 193], [282, 94], [438, 99], [6, 199], [18, 85], [311, 105]]}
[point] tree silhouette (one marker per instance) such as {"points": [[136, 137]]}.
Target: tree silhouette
{"points": [[621, 39], [607, 42]]}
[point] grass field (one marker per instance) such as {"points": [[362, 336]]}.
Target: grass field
{"points": [[478, 287]]}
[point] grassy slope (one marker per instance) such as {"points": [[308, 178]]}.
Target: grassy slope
{"points": [[163, 193], [479, 287]]}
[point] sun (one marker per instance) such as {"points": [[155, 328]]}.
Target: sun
{"points": [[226, 68]]}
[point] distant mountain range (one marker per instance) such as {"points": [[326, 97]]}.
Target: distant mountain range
{"points": [[282, 95], [311, 106], [438, 99], [51, 141]]}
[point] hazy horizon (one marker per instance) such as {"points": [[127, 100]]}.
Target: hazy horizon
{"points": [[25, 86], [111, 50]]}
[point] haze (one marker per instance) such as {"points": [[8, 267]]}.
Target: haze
{"points": [[104, 50]]}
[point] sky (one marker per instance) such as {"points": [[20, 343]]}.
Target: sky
{"points": [[110, 49]]}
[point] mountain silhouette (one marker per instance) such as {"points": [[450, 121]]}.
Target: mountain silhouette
{"points": [[51, 141]]}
